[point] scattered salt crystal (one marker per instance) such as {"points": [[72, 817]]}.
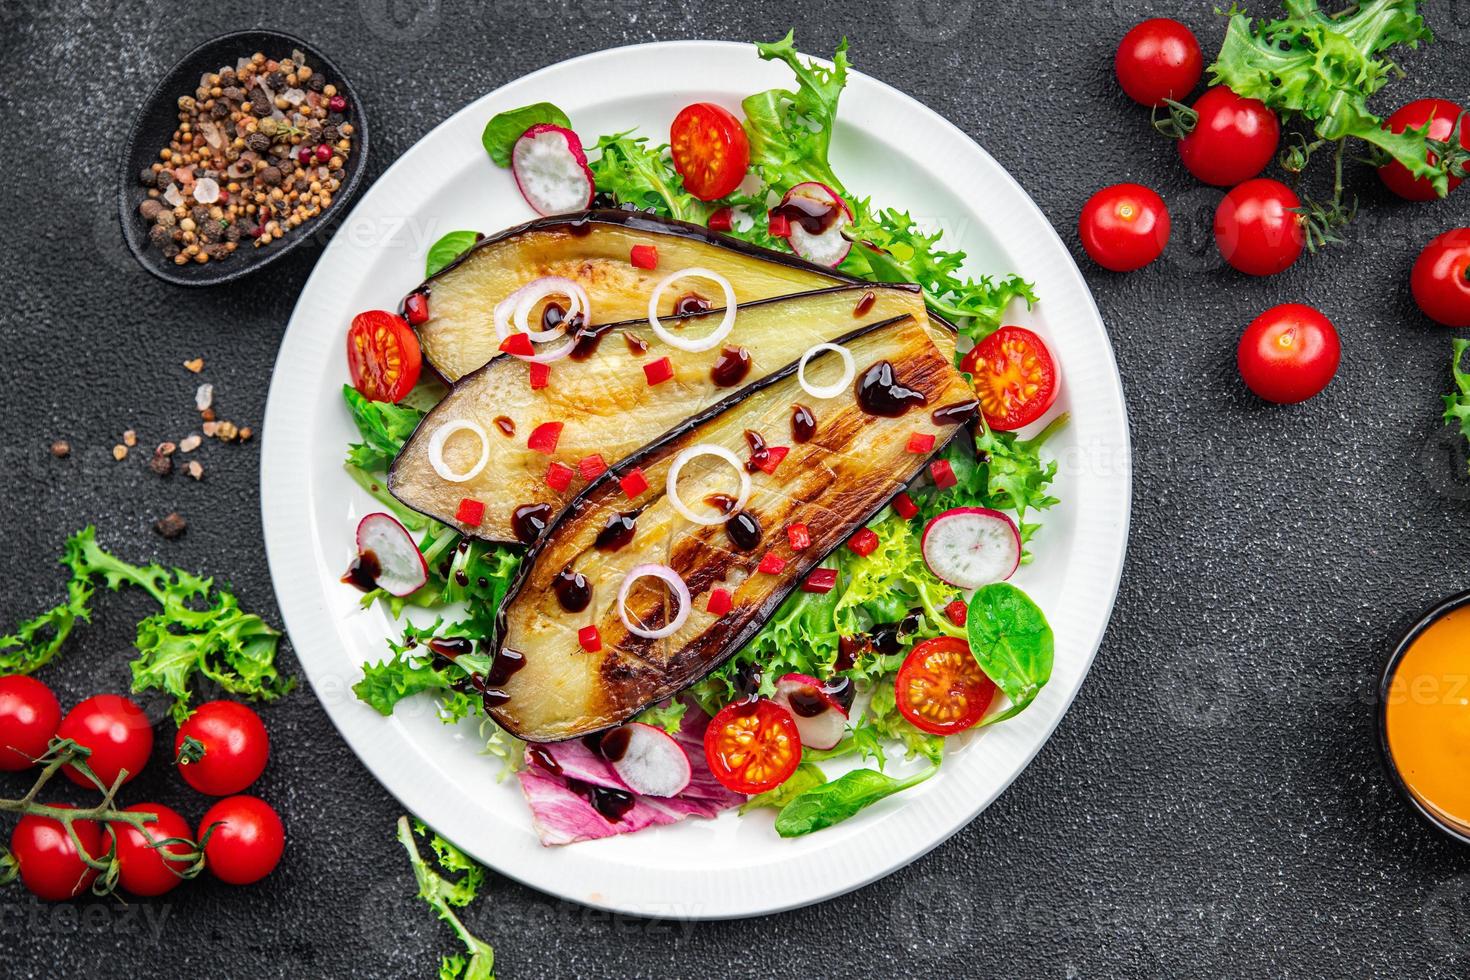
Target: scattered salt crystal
{"points": [[189, 443], [206, 190], [172, 195], [195, 470], [210, 428], [294, 96], [204, 397]]}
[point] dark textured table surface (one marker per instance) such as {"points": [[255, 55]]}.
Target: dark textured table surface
{"points": [[1211, 804]]}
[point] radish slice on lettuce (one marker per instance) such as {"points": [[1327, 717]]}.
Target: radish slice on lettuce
{"points": [[820, 717], [646, 759], [972, 546], [551, 171], [828, 214], [401, 569]]}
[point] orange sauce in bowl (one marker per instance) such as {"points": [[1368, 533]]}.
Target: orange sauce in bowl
{"points": [[1427, 719]]}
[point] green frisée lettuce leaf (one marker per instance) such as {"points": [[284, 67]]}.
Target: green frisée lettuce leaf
{"points": [[504, 128], [1457, 403], [790, 131], [804, 778], [444, 894], [884, 585], [1012, 642], [669, 716], [448, 248], [384, 428], [635, 173]]}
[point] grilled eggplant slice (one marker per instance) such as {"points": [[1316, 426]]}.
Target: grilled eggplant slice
{"points": [[859, 457], [606, 404], [594, 248]]}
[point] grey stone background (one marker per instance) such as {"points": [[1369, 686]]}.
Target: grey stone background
{"points": [[1213, 803]]}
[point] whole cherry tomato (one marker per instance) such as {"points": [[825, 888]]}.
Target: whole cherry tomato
{"points": [[1256, 228], [234, 743], [1233, 139], [1441, 279], [29, 716], [1157, 60], [1440, 115], [246, 842], [1124, 227], [1289, 353], [117, 732], [144, 869], [50, 865]]}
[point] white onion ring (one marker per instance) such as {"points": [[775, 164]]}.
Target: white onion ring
{"points": [[674, 582], [849, 371], [534, 292], [706, 449], [703, 343], [436, 449]]}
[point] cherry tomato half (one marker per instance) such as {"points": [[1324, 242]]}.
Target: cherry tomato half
{"points": [[752, 746], [236, 747], [1232, 141], [50, 865], [118, 733], [1441, 280], [941, 689], [1157, 60], [1440, 115], [247, 841], [1289, 353], [710, 150], [1256, 228], [382, 356], [29, 715], [143, 869], [1015, 377], [1124, 227]]}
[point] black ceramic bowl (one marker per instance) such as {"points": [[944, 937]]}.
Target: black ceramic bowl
{"points": [[157, 119], [1391, 668]]}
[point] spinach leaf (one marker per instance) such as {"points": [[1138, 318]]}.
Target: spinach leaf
{"points": [[829, 803], [804, 778], [1012, 642], [502, 131], [447, 249]]}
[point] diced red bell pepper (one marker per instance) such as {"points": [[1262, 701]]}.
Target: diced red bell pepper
{"points": [[957, 612], [634, 483], [658, 371], [471, 512], [771, 564], [590, 639], [771, 458], [943, 474], [644, 256], [799, 536], [905, 507], [920, 442], [820, 581], [416, 308], [543, 438], [559, 477], [719, 602], [779, 226], [863, 543], [592, 467], [518, 344], [722, 220], [540, 376]]}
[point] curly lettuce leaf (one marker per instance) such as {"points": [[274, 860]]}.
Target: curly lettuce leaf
{"points": [[884, 585], [790, 132], [1457, 403], [634, 173], [384, 428], [445, 894]]}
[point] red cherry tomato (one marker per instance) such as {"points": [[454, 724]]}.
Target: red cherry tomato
{"points": [[1256, 229], [247, 841], [1441, 280], [29, 715], [941, 689], [382, 356], [1124, 227], [1157, 60], [1232, 141], [710, 150], [236, 748], [752, 746], [50, 865], [143, 869], [117, 732], [1289, 353], [1440, 115], [1015, 377]]}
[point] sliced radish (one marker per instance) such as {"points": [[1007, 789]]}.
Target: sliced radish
{"points": [[972, 546], [401, 569], [814, 204], [820, 718], [646, 759], [551, 171]]}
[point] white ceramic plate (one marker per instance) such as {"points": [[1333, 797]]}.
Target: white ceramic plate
{"points": [[886, 145]]}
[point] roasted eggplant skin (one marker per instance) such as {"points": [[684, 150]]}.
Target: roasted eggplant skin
{"points": [[592, 247], [563, 691], [606, 404]]}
